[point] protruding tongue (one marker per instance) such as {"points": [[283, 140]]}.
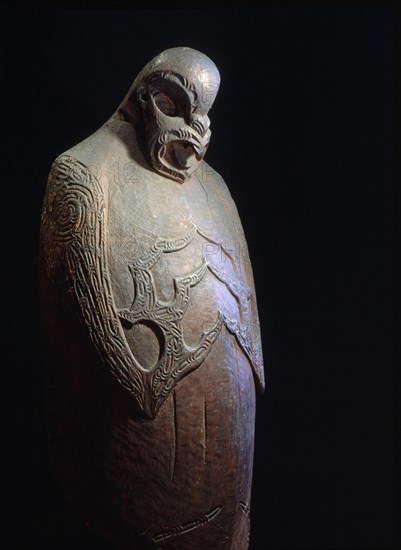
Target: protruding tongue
{"points": [[184, 154]]}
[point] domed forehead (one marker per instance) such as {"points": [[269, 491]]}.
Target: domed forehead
{"points": [[197, 73]]}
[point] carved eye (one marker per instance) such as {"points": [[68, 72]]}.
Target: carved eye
{"points": [[144, 97], [166, 105]]}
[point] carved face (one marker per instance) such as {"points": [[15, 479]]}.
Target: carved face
{"points": [[168, 104], [176, 125]]}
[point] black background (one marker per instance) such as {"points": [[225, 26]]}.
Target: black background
{"points": [[303, 134]]}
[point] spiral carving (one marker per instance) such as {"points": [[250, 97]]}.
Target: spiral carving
{"points": [[71, 208], [74, 251], [74, 246]]}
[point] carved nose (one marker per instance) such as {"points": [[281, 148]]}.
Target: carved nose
{"points": [[200, 124]]}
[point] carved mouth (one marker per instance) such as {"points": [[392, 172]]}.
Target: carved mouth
{"points": [[184, 153], [178, 153]]}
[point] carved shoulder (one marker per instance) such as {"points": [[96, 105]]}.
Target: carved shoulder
{"points": [[72, 211], [73, 251]]}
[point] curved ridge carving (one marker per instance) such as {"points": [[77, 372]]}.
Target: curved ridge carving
{"points": [[246, 331], [177, 359], [74, 247], [187, 527]]}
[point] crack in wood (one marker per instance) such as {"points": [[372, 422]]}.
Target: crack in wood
{"points": [[204, 430], [175, 442]]}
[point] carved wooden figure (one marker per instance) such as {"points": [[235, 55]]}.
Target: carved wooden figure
{"points": [[152, 342]]}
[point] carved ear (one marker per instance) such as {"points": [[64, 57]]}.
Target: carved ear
{"points": [[129, 110], [140, 96]]}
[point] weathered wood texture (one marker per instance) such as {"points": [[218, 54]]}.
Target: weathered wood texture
{"points": [[152, 342]]}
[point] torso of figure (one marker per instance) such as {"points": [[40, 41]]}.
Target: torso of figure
{"points": [[160, 232], [145, 208], [178, 268]]}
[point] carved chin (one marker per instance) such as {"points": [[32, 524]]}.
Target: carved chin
{"points": [[176, 160]]}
